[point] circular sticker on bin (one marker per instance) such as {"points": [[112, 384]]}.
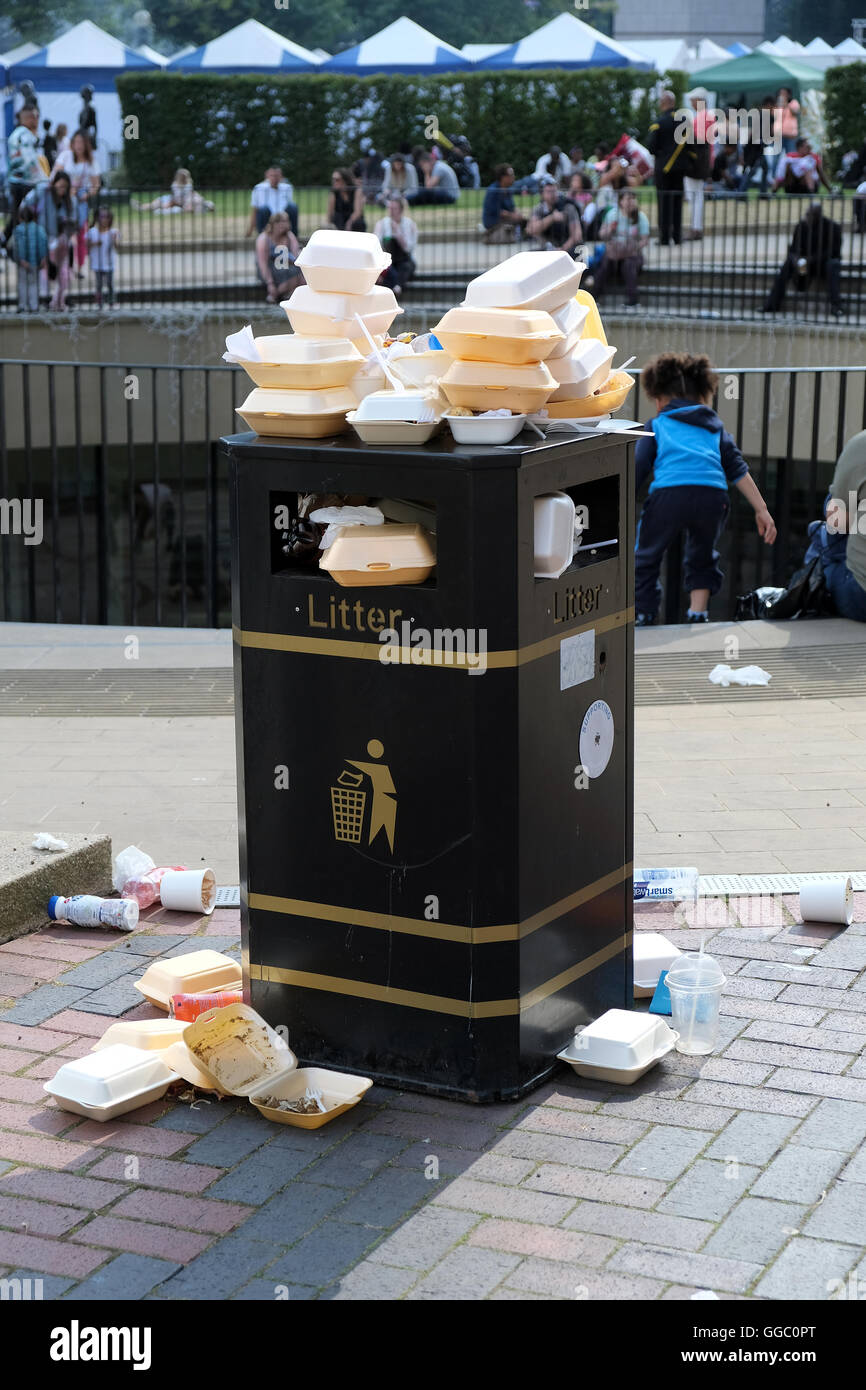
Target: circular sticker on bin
{"points": [[596, 738]]}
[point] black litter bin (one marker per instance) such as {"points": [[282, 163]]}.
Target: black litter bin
{"points": [[435, 780]]}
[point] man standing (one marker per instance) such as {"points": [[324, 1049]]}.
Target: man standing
{"points": [[667, 145], [702, 135], [502, 222], [25, 167], [273, 194]]}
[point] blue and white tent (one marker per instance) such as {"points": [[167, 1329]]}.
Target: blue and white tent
{"points": [[400, 47], [84, 55], [566, 42], [738, 50], [249, 47]]}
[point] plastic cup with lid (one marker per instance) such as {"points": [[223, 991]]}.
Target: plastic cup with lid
{"points": [[695, 982]]}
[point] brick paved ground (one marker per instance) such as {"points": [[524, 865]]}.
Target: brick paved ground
{"points": [[743, 1173]]}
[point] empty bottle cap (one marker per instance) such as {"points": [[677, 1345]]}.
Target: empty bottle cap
{"points": [[695, 971]]}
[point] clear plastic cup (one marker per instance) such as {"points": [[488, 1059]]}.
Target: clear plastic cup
{"points": [[695, 982]]}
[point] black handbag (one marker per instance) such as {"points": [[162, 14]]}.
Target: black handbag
{"points": [[806, 596]]}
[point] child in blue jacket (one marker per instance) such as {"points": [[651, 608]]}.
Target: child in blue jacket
{"points": [[693, 460]]}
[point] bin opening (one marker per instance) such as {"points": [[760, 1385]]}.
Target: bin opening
{"points": [[295, 540], [597, 525]]}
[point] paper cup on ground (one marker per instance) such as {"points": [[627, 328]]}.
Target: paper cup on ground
{"points": [[188, 890], [831, 900]]}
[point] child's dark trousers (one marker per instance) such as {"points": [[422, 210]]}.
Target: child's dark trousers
{"points": [[698, 513]]}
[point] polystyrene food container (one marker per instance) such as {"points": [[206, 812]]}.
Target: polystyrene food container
{"points": [[183, 1061], [393, 431], [110, 1082], [495, 386], [362, 556], [652, 954], [553, 534], [410, 405], [420, 368], [579, 1051], [474, 429], [622, 1039], [149, 1034], [498, 335], [333, 315], [570, 320], [593, 326], [291, 361], [610, 396], [303, 414], [582, 371], [529, 280], [343, 262], [188, 974], [239, 1051]]}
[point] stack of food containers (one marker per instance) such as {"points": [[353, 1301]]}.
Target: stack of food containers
{"points": [[303, 378], [503, 335]]}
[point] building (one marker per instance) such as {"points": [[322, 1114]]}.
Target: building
{"points": [[738, 20]]}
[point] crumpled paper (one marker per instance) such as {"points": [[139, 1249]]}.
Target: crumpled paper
{"points": [[335, 518], [745, 675], [242, 346], [50, 842]]}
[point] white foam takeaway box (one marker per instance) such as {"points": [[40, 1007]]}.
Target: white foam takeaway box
{"points": [[396, 405], [529, 280], [291, 361], [570, 320], [652, 954], [110, 1082], [326, 315], [553, 534], [622, 1039], [343, 262], [585, 368]]}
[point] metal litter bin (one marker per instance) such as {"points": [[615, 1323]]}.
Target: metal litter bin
{"points": [[436, 860]]}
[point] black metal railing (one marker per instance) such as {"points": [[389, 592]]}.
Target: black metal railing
{"points": [[207, 257], [132, 527]]}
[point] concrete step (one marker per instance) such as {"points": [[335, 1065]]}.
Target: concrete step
{"points": [[29, 877]]}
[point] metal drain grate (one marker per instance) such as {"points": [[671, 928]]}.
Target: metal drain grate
{"points": [[742, 885], [103, 694], [799, 673]]}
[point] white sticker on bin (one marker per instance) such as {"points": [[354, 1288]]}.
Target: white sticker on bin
{"points": [[576, 659], [596, 738]]}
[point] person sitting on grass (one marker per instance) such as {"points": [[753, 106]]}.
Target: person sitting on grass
{"points": [[273, 194], [693, 461], [555, 220], [438, 182], [398, 236], [501, 220], [182, 198], [346, 203], [276, 249], [801, 171]]}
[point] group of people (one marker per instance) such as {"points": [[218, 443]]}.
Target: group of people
{"points": [[55, 222]]}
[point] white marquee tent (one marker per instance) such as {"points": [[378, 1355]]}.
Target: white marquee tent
{"points": [[248, 47], [400, 47]]}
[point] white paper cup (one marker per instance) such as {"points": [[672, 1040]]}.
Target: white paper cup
{"points": [[188, 890], [830, 900]]}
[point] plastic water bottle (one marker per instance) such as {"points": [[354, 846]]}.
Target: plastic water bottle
{"points": [[83, 910], [673, 885]]}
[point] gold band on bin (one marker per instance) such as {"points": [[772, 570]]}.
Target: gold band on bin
{"points": [[372, 651], [441, 931], [437, 1003]]}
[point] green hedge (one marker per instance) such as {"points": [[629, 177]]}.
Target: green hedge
{"points": [[844, 109], [227, 129]]}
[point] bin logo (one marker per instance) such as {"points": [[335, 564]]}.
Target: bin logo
{"points": [[371, 784]]}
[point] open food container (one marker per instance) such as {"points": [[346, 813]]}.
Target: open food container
{"points": [[148, 1034], [110, 1082], [593, 326], [183, 1062], [621, 1046], [298, 414], [585, 368], [363, 556], [241, 1053], [494, 386], [188, 974], [498, 335], [393, 431], [420, 368], [291, 361], [571, 321], [342, 262], [553, 534], [333, 315], [485, 429], [529, 280], [610, 396], [652, 954]]}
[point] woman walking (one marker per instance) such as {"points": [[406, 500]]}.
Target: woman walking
{"points": [[81, 164]]}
